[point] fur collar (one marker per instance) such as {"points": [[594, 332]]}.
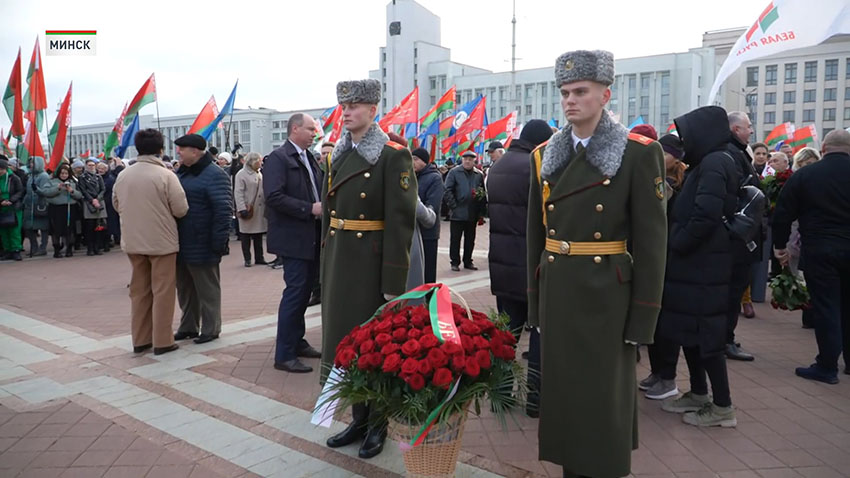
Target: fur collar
{"points": [[369, 147], [605, 150]]}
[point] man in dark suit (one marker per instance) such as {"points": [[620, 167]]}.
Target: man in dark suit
{"points": [[817, 196], [292, 181]]}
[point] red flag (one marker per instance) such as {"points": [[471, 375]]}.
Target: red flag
{"points": [[12, 99], [475, 120], [802, 137], [405, 112], [63, 120], [32, 141], [146, 94], [333, 125], [207, 115], [5, 145], [35, 98], [87, 154]]}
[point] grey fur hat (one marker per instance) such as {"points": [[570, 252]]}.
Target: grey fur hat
{"points": [[359, 91], [579, 65]]}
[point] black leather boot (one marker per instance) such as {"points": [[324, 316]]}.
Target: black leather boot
{"points": [[356, 430], [374, 442]]}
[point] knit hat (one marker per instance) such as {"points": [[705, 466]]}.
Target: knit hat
{"points": [[672, 145], [422, 154], [450, 162], [77, 164], [580, 65], [494, 145], [536, 132], [226, 156], [646, 130]]}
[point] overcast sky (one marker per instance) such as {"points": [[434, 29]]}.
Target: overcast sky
{"points": [[289, 55]]}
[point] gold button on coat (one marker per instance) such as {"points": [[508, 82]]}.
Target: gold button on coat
{"points": [[362, 216], [597, 259], [551, 207], [331, 193], [607, 182], [332, 233], [362, 195], [333, 213], [599, 208], [597, 235], [551, 258], [551, 232], [367, 175], [359, 235]]}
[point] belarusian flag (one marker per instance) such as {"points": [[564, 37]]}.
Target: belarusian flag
{"points": [[502, 129], [672, 129], [32, 144], [205, 117], [475, 120], [58, 133], [35, 99], [405, 112], [4, 139], [446, 127], [803, 136], [333, 125], [115, 136], [446, 103], [782, 132], [147, 94], [12, 99]]}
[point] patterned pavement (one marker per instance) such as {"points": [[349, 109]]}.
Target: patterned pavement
{"points": [[75, 400]]}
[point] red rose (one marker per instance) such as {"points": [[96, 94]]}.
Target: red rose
{"points": [[383, 339], [414, 334], [390, 349], [451, 348], [384, 326], [375, 359], [362, 336], [425, 367], [399, 322], [468, 344], [392, 363], [367, 347], [496, 341], [472, 368], [363, 363], [469, 328], [437, 358], [442, 378], [458, 363], [420, 320], [400, 335], [485, 325], [480, 316], [411, 348], [505, 352], [345, 357], [428, 341], [483, 359], [480, 343], [347, 340], [416, 382], [509, 338], [410, 366]]}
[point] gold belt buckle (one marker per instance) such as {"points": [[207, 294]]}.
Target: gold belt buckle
{"points": [[565, 248]]}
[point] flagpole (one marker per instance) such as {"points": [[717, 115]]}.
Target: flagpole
{"points": [[157, 114], [229, 123]]}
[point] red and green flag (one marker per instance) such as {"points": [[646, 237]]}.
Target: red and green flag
{"points": [[672, 129], [446, 103], [501, 130], [146, 95], [446, 127], [802, 137], [59, 132], [475, 120], [767, 17], [404, 113], [114, 137], [4, 139], [333, 125], [12, 99], [35, 98], [32, 145], [206, 117], [783, 132]]}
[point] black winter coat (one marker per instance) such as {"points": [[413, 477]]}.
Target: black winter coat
{"points": [[460, 184], [204, 231], [699, 260], [748, 177], [16, 189], [113, 219], [507, 187], [431, 190]]}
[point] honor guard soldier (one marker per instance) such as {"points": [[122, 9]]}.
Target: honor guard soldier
{"points": [[597, 232], [369, 213]]}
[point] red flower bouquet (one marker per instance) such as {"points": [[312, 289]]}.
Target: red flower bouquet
{"points": [[772, 186], [411, 375]]}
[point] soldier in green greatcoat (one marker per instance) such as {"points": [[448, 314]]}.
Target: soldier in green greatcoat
{"points": [[597, 234], [369, 212]]}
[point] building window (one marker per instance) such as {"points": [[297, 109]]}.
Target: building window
{"points": [[788, 116], [415, 68], [501, 93], [665, 81], [809, 116], [811, 72], [770, 117], [384, 102], [826, 131], [433, 100], [275, 136], [492, 111], [830, 94], [384, 72], [829, 114], [644, 107], [790, 73], [770, 74], [555, 89], [751, 99], [443, 82], [644, 82], [415, 81], [275, 124], [529, 91], [847, 93], [543, 109], [789, 97], [753, 76], [830, 70], [384, 57], [632, 85], [245, 126], [846, 114], [416, 53], [433, 83], [384, 86], [770, 98], [528, 110], [809, 96], [518, 92], [543, 90], [502, 111]]}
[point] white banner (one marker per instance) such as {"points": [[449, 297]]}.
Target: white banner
{"points": [[785, 25], [71, 43]]}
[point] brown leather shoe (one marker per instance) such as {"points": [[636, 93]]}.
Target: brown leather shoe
{"points": [[749, 312]]}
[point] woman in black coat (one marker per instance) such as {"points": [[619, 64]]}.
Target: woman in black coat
{"points": [[113, 219], [699, 265]]}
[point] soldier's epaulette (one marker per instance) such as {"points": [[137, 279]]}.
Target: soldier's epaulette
{"points": [[394, 145], [640, 139], [543, 144]]}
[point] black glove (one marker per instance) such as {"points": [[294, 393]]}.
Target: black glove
{"points": [[243, 214]]}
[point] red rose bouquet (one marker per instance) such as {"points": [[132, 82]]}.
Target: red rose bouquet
{"points": [[416, 368], [772, 186]]}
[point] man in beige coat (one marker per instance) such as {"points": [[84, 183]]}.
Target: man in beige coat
{"points": [[150, 199]]}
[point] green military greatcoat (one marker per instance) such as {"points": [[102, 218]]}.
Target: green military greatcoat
{"points": [[373, 182], [588, 306]]}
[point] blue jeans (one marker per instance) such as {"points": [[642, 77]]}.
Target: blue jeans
{"points": [[299, 275]]}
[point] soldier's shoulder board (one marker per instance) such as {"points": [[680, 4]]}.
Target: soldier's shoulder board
{"points": [[394, 145], [640, 139], [541, 146]]}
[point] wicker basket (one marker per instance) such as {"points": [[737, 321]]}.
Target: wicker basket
{"points": [[436, 457]]}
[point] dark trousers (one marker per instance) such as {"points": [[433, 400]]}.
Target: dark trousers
{"points": [[257, 239], [199, 296], [517, 310], [467, 230], [299, 276], [713, 366], [828, 280], [429, 247], [663, 357], [741, 278], [95, 240]]}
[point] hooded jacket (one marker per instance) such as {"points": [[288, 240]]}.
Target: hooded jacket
{"points": [[431, 190]]}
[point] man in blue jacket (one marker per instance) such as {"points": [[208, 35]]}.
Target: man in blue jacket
{"points": [[431, 190], [204, 233]]}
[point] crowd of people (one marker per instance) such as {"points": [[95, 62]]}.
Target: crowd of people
{"points": [[601, 240]]}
